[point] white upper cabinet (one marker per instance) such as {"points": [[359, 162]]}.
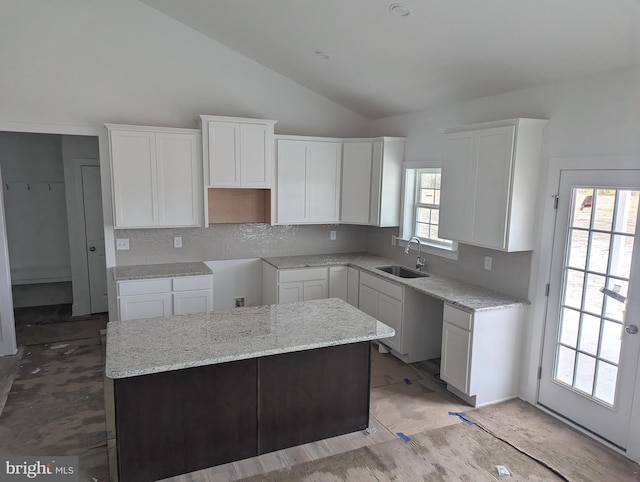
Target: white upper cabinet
{"points": [[308, 180], [372, 181], [237, 151], [156, 176], [490, 183]]}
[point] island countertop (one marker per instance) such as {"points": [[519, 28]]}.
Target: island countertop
{"points": [[153, 345]]}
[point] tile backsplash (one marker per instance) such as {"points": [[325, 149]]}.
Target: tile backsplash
{"points": [[237, 241]]}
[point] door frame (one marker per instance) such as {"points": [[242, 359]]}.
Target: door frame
{"points": [[540, 275], [7, 326]]}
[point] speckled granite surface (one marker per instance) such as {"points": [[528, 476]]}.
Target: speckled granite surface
{"points": [[140, 347], [168, 270], [463, 295]]}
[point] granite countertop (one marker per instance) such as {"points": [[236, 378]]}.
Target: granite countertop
{"points": [[169, 270], [466, 296], [155, 345]]}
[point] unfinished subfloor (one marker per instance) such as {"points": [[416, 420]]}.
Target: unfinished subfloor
{"points": [[56, 406]]}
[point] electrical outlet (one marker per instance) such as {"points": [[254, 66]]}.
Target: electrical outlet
{"points": [[122, 244], [488, 260], [394, 240], [239, 301], [177, 241], [332, 235]]}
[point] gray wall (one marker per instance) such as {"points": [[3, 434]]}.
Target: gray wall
{"points": [[237, 241]]}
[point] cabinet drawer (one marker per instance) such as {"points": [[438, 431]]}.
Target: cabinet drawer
{"points": [[187, 283], [288, 275], [457, 317], [145, 286], [390, 289]]}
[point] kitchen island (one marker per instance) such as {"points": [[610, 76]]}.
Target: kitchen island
{"points": [[200, 390]]}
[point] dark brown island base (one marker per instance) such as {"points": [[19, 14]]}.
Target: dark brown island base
{"points": [[196, 391]]}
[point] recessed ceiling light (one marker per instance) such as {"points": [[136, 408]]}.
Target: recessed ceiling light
{"points": [[322, 54], [399, 10]]}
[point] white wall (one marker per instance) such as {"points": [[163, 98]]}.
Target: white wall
{"points": [[591, 116], [87, 62]]}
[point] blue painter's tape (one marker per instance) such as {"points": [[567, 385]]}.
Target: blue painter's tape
{"points": [[461, 416], [104, 433], [403, 436], [407, 381]]}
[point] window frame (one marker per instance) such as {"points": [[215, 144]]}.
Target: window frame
{"points": [[410, 207]]}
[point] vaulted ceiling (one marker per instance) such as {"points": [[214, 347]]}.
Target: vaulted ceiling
{"points": [[361, 55]]}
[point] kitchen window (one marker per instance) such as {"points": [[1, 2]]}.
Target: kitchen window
{"points": [[421, 211]]}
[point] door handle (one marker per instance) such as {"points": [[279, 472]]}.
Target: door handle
{"points": [[92, 248], [631, 329]]}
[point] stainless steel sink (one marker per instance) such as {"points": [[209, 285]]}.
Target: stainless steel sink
{"points": [[402, 272]]}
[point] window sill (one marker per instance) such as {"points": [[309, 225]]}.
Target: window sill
{"points": [[430, 248]]}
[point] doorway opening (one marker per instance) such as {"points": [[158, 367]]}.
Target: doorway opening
{"points": [[53, 215]]}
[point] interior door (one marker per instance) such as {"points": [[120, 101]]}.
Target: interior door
{"points": [[591, 346], [7, 323], [94, 232]]}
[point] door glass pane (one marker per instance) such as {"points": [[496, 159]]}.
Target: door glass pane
{"points": [[611, 340], [605, 389], [628, 211], [585, 372], [578, 242], [599, 252], [565, 364], [622, 248], [596, 281], [603, 209], [582, 201], [589, 334], [594, 296], [569, 324], [573, 289]]}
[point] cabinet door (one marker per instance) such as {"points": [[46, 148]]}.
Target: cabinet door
{"points": [[390, 313], [179, 179], [292, 176], [368, 301], [457, 194], [493, 181], [455, 356], [224, 154], [323, 181], [353, 285], [338, 282], [133, 166], [255, 165], [290, 292], [356, 182], [145, 306], [199, 301], [314, 290]]}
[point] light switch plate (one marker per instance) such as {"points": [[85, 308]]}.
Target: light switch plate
{"points": [[332, 235], [122, 244], [177, 241]]}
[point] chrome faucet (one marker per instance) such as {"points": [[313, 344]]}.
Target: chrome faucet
{"points": [[419, 261]]}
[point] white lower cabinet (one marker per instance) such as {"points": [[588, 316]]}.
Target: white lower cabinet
{"points": [[416, 318], [302, 284], [353, 286], [151, 298], [338, 282], [481, 353], [145, 306]]}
